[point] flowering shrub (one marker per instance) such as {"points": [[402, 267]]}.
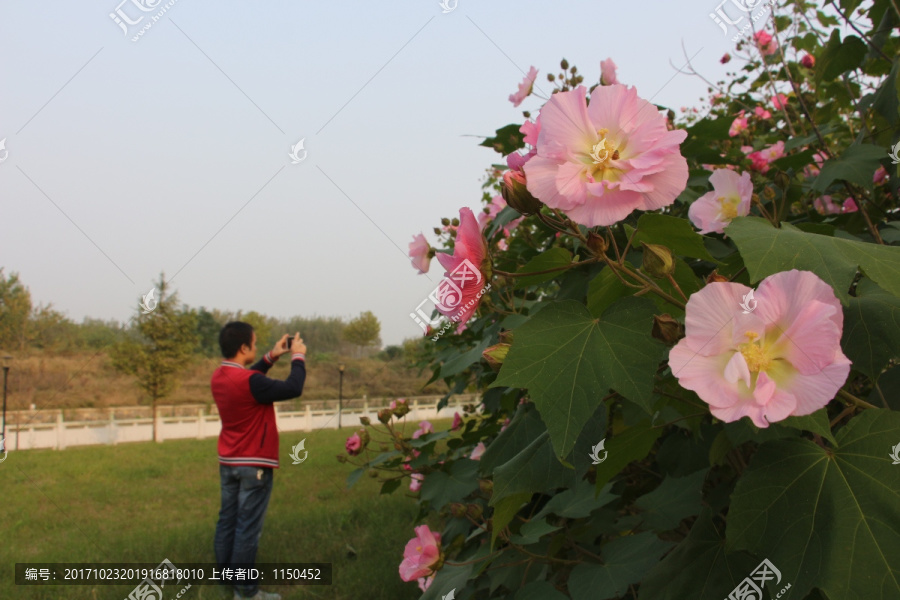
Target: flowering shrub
{"points": [[689, 356]]}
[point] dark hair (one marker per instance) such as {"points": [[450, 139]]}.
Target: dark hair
{"points": [[234, 335]]}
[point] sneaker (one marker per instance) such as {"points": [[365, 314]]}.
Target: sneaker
{"points": [[260, 595]]}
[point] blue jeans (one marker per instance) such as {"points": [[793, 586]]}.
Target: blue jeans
{"points": [[245, 497]]}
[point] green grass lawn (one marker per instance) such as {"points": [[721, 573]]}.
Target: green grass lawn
{"points": [[144, 502]]}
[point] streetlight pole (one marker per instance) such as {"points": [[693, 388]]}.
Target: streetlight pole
{"points": [[340, 393], [7, 360]]}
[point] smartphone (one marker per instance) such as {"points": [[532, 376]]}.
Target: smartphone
{"points": [[289, 342]]}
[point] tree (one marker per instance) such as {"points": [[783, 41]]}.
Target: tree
{"points": [[208, 328], [159, 348], [15, 308], [364, 330]]}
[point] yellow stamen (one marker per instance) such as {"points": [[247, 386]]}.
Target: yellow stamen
{"points": [[603, 150], [756, 356], [728, 207]]}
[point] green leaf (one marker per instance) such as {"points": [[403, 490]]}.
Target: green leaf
{"points": [[675, 499], [817, 422], [872, 329], [604, 289], [767, 250], [443, 487], [839, 57], [577, 502], [504, 512], [627, 560], [508, 139], [698, 568], [856, 165], [354, 476], [551, 259], [676, 234], [389, 486], [461, 362], [526, 425], [534, 469], [539, 590], [568, 361], [532, 531], [632, 444], [826, 518], [449, 577]]}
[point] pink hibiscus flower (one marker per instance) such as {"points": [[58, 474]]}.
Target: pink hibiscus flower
{"points": [[467, 276], [424, 427], [419, 252], [608, 72], [782, 358], [599, 162], [824, 205], [524, 88], [415, 483], [422, 555], [477, 451], [765, 42], [808, 61], [849, 206], [353, 445], [762, 158], [879, 176], [730, 198], [762, 113], [425, 582], [738, 126], [725, 58]]}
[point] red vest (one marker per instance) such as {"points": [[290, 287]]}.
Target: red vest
{"points": [[249, 434]]}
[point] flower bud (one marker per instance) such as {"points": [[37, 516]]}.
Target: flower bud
{"points": [[506, 336], [486, 486], [341, 458], [551, 77], [445, 221], [666, 329], [768, 193], [384, 415], [402, 409], [754, 198], [516, 194], [458, 510], [597, 243], [372, 473], [437, 231], [365, 421], [564, 64], [363, 437], [658, 260], [454, 222], [714, 277], [475, 511], [782, 180], [495, 355]]}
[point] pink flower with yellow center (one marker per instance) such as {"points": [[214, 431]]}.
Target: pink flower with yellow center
{"points": [[599, 162], [730, 198], [524, 88], [767, 357], [738, 126], [420, 253], [422, 555]]}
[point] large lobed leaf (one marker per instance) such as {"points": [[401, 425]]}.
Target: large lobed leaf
{"points": [[569, 361], [826, 518], [767, 250]]}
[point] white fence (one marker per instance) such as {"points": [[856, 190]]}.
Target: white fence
{"points": [[29, 434]]}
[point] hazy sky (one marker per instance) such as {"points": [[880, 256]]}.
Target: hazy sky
{"points": [[170, 154]]}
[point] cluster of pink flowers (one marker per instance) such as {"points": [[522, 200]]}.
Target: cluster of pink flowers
{"points": [[730, 198], [422, 557], [762, 158], [781, 358]]}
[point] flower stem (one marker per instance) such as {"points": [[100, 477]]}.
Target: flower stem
{"points": [[545, 271], [853, 399]]}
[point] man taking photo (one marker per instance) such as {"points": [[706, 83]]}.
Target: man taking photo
{"points": [[248, 442]]}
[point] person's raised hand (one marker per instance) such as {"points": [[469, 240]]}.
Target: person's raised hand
{"points": [[280, 347]]}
